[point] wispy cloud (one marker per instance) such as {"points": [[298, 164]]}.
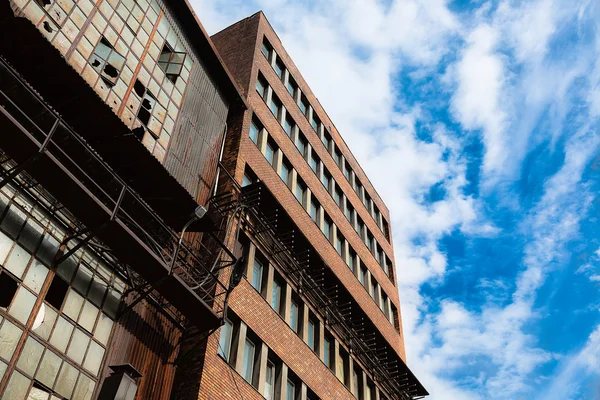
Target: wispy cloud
{"points": [[497, 108]]}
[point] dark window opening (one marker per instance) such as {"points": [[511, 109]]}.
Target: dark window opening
{"points": [[8, 289], [171, 62], [57, 292], [107, 62]]}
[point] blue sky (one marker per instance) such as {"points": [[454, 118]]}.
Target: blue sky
{"points": [[479, 124]]}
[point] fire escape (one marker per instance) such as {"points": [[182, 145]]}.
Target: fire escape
{"points": [[276, 233], [41, 148]]}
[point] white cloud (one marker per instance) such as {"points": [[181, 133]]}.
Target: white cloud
{"points": [[350, 52]]}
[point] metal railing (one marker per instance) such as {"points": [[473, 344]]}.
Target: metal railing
{"points": [[197, 267], [383, 363]]}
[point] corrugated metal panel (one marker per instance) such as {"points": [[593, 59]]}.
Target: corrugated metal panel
{"points": [[146, 339], [196, 142]]}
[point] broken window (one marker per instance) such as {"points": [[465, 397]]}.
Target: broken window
{"points": [[148, 102], [8, 288], [171, 62], [107, 62], [57, 292]]}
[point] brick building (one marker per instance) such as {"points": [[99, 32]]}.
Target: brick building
{"points": [[114, 115], [318, 315]]}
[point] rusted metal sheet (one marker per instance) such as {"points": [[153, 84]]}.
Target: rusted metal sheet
{"points": [[196, 143], [148, 340]]}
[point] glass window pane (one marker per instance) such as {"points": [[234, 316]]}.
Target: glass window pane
{"points": [[5, 246], [311, 334], [270, 154], [9, 337], [44, 321], [78, 346], [13, 221], [254, 132], [62, 334], [225, 340], [17, 261], [102, 50], [97, 291], [31, 235], [276, 296], [47, 250], [67, 268], [84, 389], [48, 368], [30, 356], [93, 360], [111, 304], [103, 329], [17, 387], [82, 280], [270, 381], [66, 380], [2, 369], [36, 275], [294, 316], [248, 365], [38, 393], [22, 305], [257, 273], [291, 391], [88, 316], [72, 305]]}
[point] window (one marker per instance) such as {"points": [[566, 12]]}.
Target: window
{"points": [[357, 383], [266, 48], [261, 86], [314, 207], [294, 316], [279, 67], [326, 139], [171, 62], [255, 128], [300, 190], [369, 241], [363, 276], [359, 226], [357, 187], [147, 105], [315, 122], [276, 295], [257, 275], [291, 86], [314, 162], [373, 289], [311, 334], [326, 179], [303, 105], [386, 265], [327, 227], [270, 381], [342, 367], [384, 304], [338, 196], [107, 62], [386, 230], [8, 289], [248, 178], [225, 340], [302, 144], [291, 391], [337, 157], [328, 350], [349, 212], [248, 362], [288, 126], [351, 258], [339, 243], [275, 106], [367, 202], [347, 171], [270, 153], [285, 173]]}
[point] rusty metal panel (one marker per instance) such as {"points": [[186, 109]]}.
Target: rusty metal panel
{"points": [[193, 154], [146, 339]]}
